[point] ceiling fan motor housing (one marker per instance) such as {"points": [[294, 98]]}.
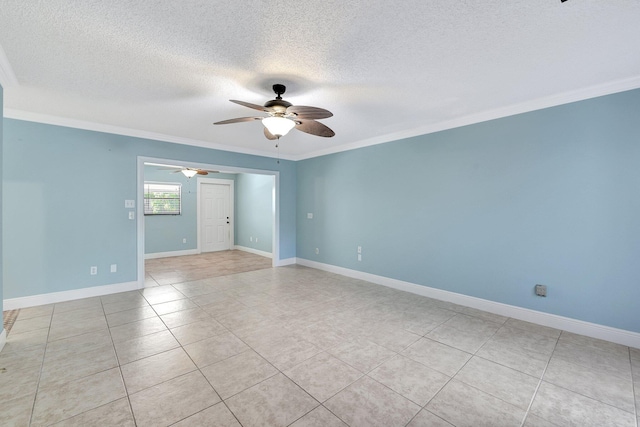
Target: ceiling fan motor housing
{"points": [[278, 105]]}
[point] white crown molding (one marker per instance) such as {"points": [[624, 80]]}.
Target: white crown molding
{"points": [[7, 76], [3, 338], [157, 255], [28, 116], [594, 330], [254, 251], [55, 297], [524, 107]]}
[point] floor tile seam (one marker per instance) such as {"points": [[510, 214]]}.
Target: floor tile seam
{"points": [[21, 393], [75, 379], [593, 368], [540, 380], [307, 413], [18, 320], [131, 321], [200, 368], [406, 397], [35, 396], [129, 394], [487, 392], [92, 409], [377, 364], [491, 322], [308, 393], [204, 409], [506, 366], [244, 389], [27, 332], [529, 331], [124, 384], [426, 336], [61, 383], [589, 397], [431, 367], [636, 389], [435, 395], [198, 340], [618, 350], [518, 348], [128, 308]]}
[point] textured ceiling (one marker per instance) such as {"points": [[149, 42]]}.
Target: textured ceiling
{"points": [[385, 69]]}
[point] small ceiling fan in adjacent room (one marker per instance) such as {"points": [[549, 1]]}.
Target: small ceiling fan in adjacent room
{"points": [[188, 172], [283, 116]]}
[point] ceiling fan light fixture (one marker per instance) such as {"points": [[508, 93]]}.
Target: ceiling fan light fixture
{"points": [[278, 126], [189, 173]]}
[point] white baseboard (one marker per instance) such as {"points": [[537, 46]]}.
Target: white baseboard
{"points": [[594, 330], [172, 253], [254, 251], [3, 338], [285, 262], [54, 297]]}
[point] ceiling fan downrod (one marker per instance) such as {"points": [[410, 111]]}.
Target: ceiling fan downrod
{"points": [[279, 90]]}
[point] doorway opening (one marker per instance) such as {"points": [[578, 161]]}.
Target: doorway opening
{"points": [[228, 218]]}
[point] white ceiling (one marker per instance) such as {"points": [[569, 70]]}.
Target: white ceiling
{"points": [[166, 69]]}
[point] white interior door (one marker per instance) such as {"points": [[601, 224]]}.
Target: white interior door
{"points": [[215, 218]]}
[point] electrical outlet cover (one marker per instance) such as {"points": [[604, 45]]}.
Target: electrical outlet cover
{"points": [[541, 290]]}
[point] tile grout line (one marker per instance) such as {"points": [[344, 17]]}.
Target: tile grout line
{"points": [[526, 414], [44, 354], [124, 384], [636, 391], [199, 369]]}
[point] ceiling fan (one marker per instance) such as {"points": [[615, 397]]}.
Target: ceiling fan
{"points": [[283, 117], [189, 172]]}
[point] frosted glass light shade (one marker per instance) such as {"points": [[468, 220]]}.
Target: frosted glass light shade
{"points": [[189, 173], [278, 126]]}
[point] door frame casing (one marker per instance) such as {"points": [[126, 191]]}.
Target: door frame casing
{"points": [[275, 241], [232, 224]]}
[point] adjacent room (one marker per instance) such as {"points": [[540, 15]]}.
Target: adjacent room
{"points": [[336, 214]]}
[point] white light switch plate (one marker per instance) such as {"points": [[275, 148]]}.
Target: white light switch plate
{"points": [[132, 215], [309, 216], [130, 204]]}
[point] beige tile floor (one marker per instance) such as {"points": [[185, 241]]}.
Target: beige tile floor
{"points": [[167, 271], [300, 347]]}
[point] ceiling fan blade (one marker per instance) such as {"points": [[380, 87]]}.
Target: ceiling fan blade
{"points": [[210, 171], [313, 113], [238, 120], [250, 105], [169, 168], [314, 128], [201, 172], [178, 171], [269, 135]]}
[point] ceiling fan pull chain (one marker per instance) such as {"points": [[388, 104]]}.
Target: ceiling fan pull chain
{"points": [[278, 148]]}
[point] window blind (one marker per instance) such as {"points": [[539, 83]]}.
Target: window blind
{"points": [[162, 198]]}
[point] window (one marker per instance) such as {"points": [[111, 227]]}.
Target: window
{"points": [[162, 198]]}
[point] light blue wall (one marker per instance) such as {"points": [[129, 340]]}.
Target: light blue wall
{"points": [[490, 210], [64, 193], [164, 233], [254, 212]]}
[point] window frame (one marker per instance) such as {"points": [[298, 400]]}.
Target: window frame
{"points": [[147, 203]]}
